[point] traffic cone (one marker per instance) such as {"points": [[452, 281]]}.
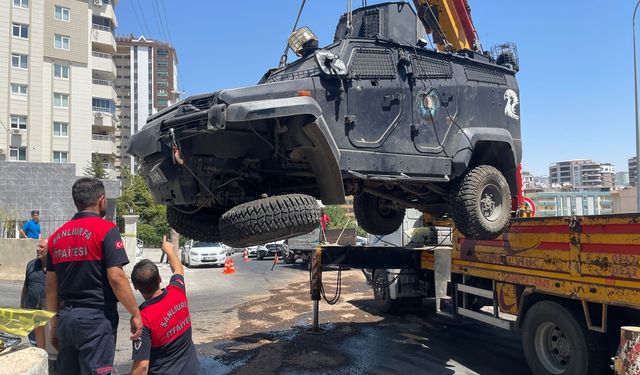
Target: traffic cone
{"points": [[245, 255], [228, 267]]}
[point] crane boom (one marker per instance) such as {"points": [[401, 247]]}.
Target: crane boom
{"points": [[449, 21]]}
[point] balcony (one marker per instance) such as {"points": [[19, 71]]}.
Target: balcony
{"points": [[105, 9], [103, 36], [103, 144], [104, 119], [103, 89], [103, 62]]}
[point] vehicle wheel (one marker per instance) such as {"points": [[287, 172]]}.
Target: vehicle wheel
{"points": [[556, 341], [200, 226], [289, 258], [480, 203], [269, 219], [377, 215], [383, 300]]}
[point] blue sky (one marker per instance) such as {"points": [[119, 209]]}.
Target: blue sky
{"points": [[576, 60]]}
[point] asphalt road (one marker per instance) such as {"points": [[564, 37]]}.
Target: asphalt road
{"points": [[254, 321]]}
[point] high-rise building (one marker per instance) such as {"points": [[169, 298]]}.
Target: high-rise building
{"points": [[581, 174], [633, 171], [147, 82], [57, 102], [622, 179]]}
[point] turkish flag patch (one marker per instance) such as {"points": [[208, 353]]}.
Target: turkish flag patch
{"points": [[119, 244]]}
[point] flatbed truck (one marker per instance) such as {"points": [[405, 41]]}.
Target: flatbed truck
{"points": [[567, 284]]}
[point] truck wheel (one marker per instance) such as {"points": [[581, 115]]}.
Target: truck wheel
{"points": [[269, 219], [377, 215], [556, 341], [200, 226], [383, 300], [480, 203], [289, 258]]}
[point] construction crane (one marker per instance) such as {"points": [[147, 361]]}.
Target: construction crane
{"points": [[449, 22]]}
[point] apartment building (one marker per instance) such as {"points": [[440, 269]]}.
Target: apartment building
{"points": [[57, 102], [633, 171], [582, 174], [147, 82]]}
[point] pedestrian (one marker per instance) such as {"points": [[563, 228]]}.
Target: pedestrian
{"points": [[33, 290], [325, 220], [166, 345], [31, 227], [85, 281]]}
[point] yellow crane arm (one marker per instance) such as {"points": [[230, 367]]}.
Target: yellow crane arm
{"points": [[449, 21]]}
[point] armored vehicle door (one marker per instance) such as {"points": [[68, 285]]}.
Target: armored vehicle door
{"points": [[435, 103], [375, 97]]}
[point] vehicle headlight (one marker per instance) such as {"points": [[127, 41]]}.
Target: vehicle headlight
{"points": [[155, 176]]}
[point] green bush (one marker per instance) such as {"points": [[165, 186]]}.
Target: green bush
{"points": [[150, 235]]}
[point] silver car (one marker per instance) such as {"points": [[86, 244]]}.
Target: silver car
{"points": [[204, 253]]}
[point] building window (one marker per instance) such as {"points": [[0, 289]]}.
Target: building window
{"points": [[62, 13], [162, 102], [60, 129], [21, 4], [19, 61], [163, 84], [18, 122], [20, 30], [61, 42], [163, 52], [61, 71], [18, 89], [162, 92], [60, 100], [103, 105], [17, 153], [60, 157]]}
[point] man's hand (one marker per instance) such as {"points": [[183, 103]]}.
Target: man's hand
{"points": [[172, 258], [136, 327]]}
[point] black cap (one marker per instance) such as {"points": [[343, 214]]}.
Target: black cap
{"points": [[35, 212]]}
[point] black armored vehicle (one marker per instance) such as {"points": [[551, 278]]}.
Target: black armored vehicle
{"points": [[375, 114]]}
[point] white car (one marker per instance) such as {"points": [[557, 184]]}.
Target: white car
{"points": [[204, 253], [253, 250]]}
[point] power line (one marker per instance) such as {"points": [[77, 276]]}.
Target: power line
{"points": [[137, 17], [159, 23], [144, 20], [166, 23]]}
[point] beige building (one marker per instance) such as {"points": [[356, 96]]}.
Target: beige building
{"points": [[147, 82], [57, 102]]}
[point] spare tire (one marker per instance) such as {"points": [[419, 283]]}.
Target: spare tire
{"points": [[480, 203], [200, 226], [269, 219], [377, 215]]}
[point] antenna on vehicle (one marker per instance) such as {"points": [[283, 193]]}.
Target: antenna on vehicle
{"points": [[283, 58]]}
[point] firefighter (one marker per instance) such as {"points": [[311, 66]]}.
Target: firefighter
{"points": [[85, 281], [166, 345]]}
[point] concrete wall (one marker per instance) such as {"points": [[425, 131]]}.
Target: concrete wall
{"points": [[45, 187], [14, 256], [27, 361]]}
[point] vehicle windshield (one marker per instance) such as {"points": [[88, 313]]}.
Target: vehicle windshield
{"points": [[207, 244]]}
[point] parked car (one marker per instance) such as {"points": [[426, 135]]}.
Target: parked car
{"points": [[270, 249], [252, 250], [204, 253], [139, 248]]}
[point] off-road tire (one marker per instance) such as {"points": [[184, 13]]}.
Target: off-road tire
{"points": [[381, 296], [375, 214], [548, 323], [466, 203], [269, 219], [200, 226]]}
